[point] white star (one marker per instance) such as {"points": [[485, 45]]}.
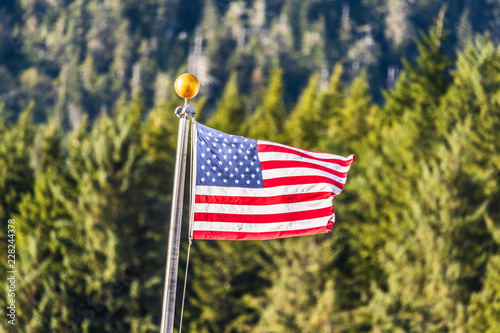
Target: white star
{"points": [[220, 162], [220, 150], [252, 163], [230, 162], [248, 182], [208, 149], [225, 157], [202, 179], [209, 161], [213, 180], [202, 143], [254, 157], [242, 175], [202, 154], [214, 168], [235, 140], [247, 169], [245, 140], [224, 180], [214, 156], [216, 140], [239, 151], [226, 169], [233, 145], [235, 169], [258, 182], [242, 146], [202, 167], [231, 175], [230, 151], [246, 157], [248, 151], [225, 140], [214, 144], [220, 135], [235, 157], [236, 181], [208, 174], [219, 174], [251, 145], [253, 175], [209, 133], [241, 163], [257, 169]]}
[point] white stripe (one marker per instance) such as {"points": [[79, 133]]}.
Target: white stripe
{"points": [[291, 157], [263, 209], [313, 154], [262, 227], [289, 172], [263, 192]]}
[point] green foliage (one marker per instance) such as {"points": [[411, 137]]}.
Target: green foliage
{"points": [[267, 121], [305, 119], [484, 308], [230, 109], [416, 243], [302, 297], [16, 177]]}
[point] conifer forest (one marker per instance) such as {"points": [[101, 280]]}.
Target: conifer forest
{"points": [[88, 138]]}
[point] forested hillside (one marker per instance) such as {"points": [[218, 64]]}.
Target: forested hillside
{"points": [[77, 57], [87, 147]]}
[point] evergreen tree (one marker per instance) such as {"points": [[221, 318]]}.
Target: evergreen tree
{"points": [[302, 125], [302, 297], [484, 308], [267, 121], [230, 109], [16, 177], [350, 124], [433, 256], [418, 91]]}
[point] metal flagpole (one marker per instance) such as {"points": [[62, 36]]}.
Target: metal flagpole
{"points": [[186, 86]]}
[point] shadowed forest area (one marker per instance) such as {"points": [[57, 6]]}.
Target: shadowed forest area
{"points": [[87, 147]]}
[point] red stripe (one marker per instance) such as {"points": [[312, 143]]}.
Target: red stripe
{"points": [[263, 218], [300, 180], [269, 165], [267, 148], [232, 235], [275, 200]]}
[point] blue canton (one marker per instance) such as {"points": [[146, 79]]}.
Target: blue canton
{"points": [[226, 160]]}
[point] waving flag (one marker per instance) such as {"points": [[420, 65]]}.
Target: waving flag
{"points": [[247, 189]]}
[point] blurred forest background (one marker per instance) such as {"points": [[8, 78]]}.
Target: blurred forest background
{"points": [[87, 146]]}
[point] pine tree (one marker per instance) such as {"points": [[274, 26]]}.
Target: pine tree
{"points": [[484, 308], [225, 279], [17, 176], [351, 123], [230, 110], [43, 241], [301, 128], [267, 121], [428, 258], [418, 90], [302, 278]]}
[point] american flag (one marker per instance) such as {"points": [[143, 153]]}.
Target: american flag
{"points": [[247, 189]]}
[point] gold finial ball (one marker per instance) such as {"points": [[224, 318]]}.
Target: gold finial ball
{"points": [[187, 85]]}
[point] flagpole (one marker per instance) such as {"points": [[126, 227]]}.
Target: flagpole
{"points": [[186, 86]]}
